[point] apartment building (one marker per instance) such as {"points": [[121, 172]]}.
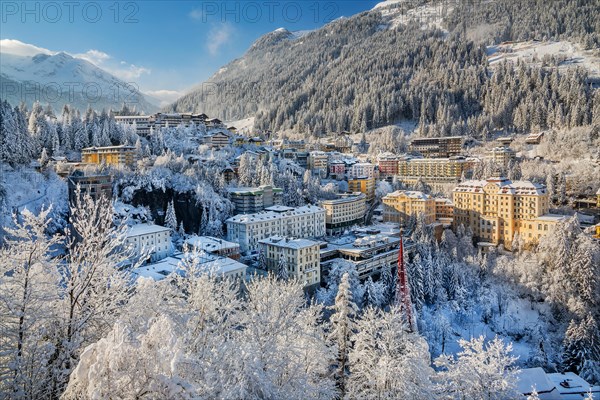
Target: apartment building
{"points": [[496, 209], [94, 185], [399, 206], [299, 256], [143, 123], [150, 238], [218, 140], [349, 209], [302, 222], [116, 156], [444, 210], [253, 200], [502, 155], [388, 164], [438, 147], [360, 170], [337, 169], [434, 169], [364, 185], [317, 162]]}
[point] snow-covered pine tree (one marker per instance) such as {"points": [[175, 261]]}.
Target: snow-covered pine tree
{"points": [[170, 217], [342, 326], [282, 269]]}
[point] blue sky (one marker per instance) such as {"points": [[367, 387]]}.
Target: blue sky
{"points": [[163, 46]]}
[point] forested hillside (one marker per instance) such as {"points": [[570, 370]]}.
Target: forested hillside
{"points": [[369, 71]]}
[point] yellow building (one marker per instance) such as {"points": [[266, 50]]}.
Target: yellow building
{"points": [[118, 156], [497, 209], [364, 185], [399, 206], [433, 170]]}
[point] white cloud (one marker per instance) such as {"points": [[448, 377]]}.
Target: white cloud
{"points": [[196, 14], [96, 57], [219, 36], [166, 97], [12, 46]]}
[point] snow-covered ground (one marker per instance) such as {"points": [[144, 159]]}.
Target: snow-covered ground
{"points": [[533, 52], [243, 125], [429, 15], [31, 190]]}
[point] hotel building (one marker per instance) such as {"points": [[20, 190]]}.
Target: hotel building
{"points": [[300, 257], [253, 200], [399, 206], [496, 209], [301, 222], [349, 209], [438, 147], [117, 156]]}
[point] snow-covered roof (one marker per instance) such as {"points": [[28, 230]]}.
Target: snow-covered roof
{"points": [[272, 215], [530, 378], [223, 265], [279, 208], [210, 244], [413, 194], [572, 386], [552, 218], [505, 186], [159, 270], [146, 229], [280, 241]]}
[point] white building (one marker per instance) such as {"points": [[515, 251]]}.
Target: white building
{"points": [[349, 209], [360, 170], [317, 162], [299, 256], [301, 222], [154, 239]]}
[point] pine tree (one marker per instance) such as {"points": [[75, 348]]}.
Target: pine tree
{"points": [[170, 217], [282, 269], [342, 326]]}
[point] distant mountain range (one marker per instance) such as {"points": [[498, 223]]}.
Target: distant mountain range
{"points": [[417, 60], [62, 79]]}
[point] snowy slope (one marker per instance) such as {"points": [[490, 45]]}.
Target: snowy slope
{"points": [[60, 78], [402, 12], [568, 54]]}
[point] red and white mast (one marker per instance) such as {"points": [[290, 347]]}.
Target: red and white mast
{"points": [[402, 289]]}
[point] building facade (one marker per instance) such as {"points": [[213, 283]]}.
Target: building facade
{"points": [[349, 209], [299, 256], [116, 156], [364, 185], [441, 147], [149, 239], [388, 164], [253, 200], [502, 155], [94, 185], [433, 169], [317, 162], [497, 209], [401, 205], [302, 222], [360, 170]]}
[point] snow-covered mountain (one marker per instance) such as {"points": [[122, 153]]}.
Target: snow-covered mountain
{"points": [[62, 79], [402, 60]]}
